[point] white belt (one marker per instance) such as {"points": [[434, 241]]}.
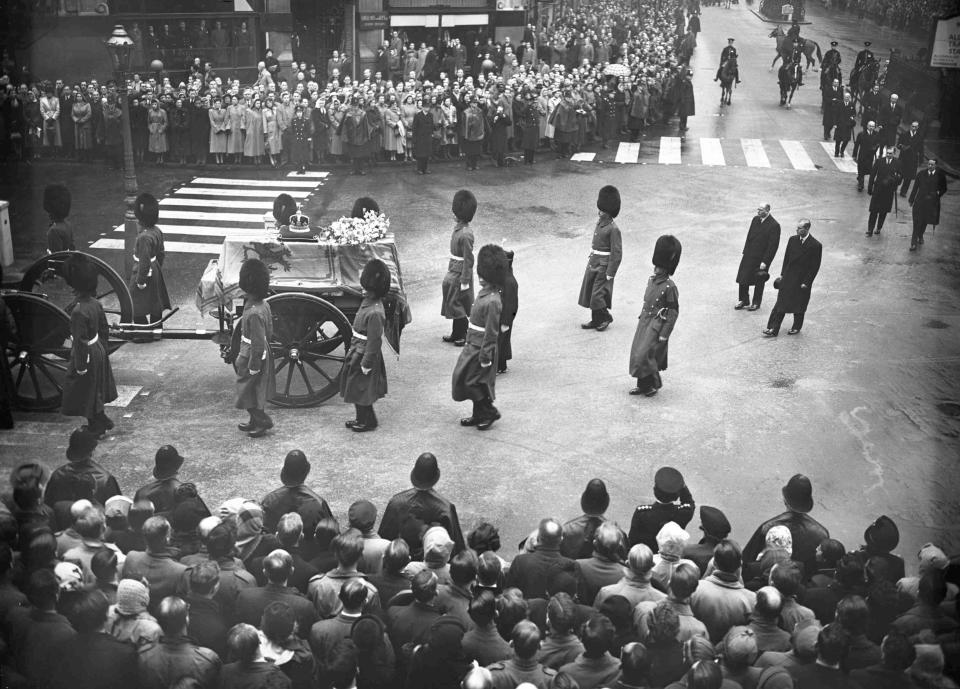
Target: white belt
{"points": [[595, 252], [94, 340], [476, 327], [456, 258], [359, 336], [247, 340], [136, 259]]}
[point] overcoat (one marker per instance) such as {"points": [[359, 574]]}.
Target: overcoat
{"points": [[475, 376], [926, 194], [148, 258], [606, 252], [763, 240], [85, 395], [253, 143], [801, 263], [456, 302], [830, 98], [499, 128], [365, 352], [686, 106], [865, 151], [845, 118], [235, 135], [199, 130], [219, 129], [157, 126], [299, 144], [256, 329], [648, 356], [509, 304], [422, 135], [884, 181]]}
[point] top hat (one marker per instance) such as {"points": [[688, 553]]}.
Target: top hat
{"points": [[82, 444], [798, 493], [883, 535], [295, 468], [595, 499], [668, 481], [425, 473], [166, 462]]}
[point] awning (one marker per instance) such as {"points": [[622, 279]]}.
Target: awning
{"points": [[433, 21]]}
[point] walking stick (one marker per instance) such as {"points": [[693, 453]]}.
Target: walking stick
{"points": [[896, 205]]}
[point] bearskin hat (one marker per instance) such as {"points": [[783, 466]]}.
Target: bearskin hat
{"points": [[608, 200], [80, 273], [283, 207], [666, 254], [254, 278], [56, 201], [146, 209], [362, 205], [492, 264], [464, 205], [376, 277]]}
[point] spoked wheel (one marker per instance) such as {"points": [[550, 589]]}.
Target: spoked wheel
{"points": [[38, 355], [310, 341], [45, 277]]}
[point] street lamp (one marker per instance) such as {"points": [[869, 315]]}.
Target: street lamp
{"points": [[120, 48]]}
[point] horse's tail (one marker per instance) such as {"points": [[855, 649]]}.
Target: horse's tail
{"points": [[819, 54]]}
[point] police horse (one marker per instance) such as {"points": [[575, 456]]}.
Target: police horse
{"points": [[863, 79], [785, 48], [789, 78], [728, 73]]}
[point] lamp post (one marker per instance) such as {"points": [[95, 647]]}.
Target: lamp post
{"points": [[120, 48]]}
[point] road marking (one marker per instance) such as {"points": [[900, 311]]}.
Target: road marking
{"points": [[308, 173], [273, 183], [843, 164], [169, 247], [627, 152], [711, 153], [215, 203], [213, 191], [669, 150], [585, 157], [797, 155], [125, 395], [252, 218], [754, 153]]}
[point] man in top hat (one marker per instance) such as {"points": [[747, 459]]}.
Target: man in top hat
{"points": [[72, 481], [801, 263], [806, 532], [672, 503], [759, 250], [410, 512], [884, 180], [294, 495], [715, 528], [578, 533], [925, 199], [606, 252], [661, 308], [162, 491], [729, 52]]}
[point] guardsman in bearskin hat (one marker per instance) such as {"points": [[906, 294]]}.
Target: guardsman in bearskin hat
{"points": [[510, 304], [474, 376], [458, 282], [254, 364], [364, 377], [606, 252], [8, 331], [89, 382], [147, 287], [661, 306], [56, 202]]}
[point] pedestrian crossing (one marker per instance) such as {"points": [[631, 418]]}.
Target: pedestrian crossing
{"points": [[783, 154], [196, 216]]}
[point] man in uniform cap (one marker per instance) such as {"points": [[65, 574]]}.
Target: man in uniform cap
{"points": [[363, 517], [294, 495], [66, 481], [729, 52], [806, 532], [831, 57], [715, 527], [606, 252], [673, 503], [411, 511], [863, 58]]}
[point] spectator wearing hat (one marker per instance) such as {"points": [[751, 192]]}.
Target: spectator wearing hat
{"points": [[825, 673], [635, 585], [207, 625], [363, 517], [805, 531], [532, 572], [282, 644], [128, 619], [157, 565], [410, 510], [673, 503], [759, 250], [457, 284], [578, 533], [32, 631], [604, 568], [930, 558], [884, 179], [363, 380], [483, 642], [162, 491], [249, 670], [65, 480], [254, 364], [648, 353], [92, 659], [897, 655], [376, 662], [116, 512], [606, 253], [523, 667], [778, 546], [737, 652], [147, 287], [683, 584], [294, 495], [437, 550], [326, 632], [251, 602], [880, 539], [787, 578], [715, 527], [927, 612], [721, 601], [440, 662], [323, 589]]}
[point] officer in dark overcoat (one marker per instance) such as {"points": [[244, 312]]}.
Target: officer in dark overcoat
{"points": [[865, 151], [801, 263], [763, 240], [884, 180], [925, 199], [300, 132], [911, 157]]}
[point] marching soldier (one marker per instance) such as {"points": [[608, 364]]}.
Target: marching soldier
{"points": [[673, 503], [648, 353], [147, 287], [884, 180], [606, 252], [254, 364], [728, 53], [865, 151], [458, 282], [56, 202], [925, 199]]}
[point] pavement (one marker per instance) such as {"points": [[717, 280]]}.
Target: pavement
{"points": [[864, 400]]}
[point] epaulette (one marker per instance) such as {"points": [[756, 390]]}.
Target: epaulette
{"points": [[497, 666], [644, 508]]}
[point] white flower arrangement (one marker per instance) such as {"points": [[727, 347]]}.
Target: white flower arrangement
{"points": [[371, 227]]}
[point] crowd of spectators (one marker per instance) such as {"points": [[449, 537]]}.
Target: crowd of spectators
{"points": [[153, 589], [555, 87], [898, 14]]}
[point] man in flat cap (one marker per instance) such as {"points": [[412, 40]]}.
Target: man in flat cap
{"points": [[673, 503]]}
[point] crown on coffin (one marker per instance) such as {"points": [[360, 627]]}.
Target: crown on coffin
{"points": [[299, 222]]}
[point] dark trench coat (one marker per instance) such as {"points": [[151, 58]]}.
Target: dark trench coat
{"points": [[801, 263], [763, 240]]}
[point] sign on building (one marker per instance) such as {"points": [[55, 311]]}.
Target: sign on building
{"points": [[945, 48], [374, 20]]}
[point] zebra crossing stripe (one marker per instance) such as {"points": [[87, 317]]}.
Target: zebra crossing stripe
{"points": [[754, 153], [669, 150], [252, 218], [843, 164], [321, 175], [797, 155], [181, 202], [628, 152], [711, 152], [254, 183], [245, 193], [169, 247]]}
